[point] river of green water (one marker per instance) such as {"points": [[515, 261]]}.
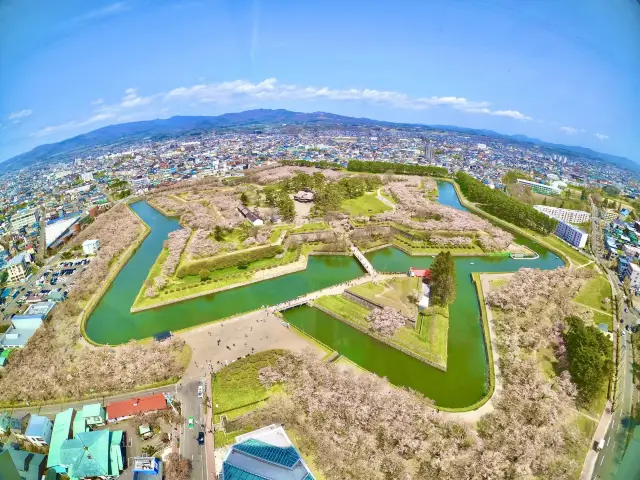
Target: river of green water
{"points": [[463, 384]]}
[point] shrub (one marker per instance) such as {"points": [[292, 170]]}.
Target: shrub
{"points": [[204, 274], [235, 259]]}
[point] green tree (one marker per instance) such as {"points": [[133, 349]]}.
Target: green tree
{"points": [[286, 207], [270, 195], [218, 233], [244, 198], [590, 358], [443, 279], [204, 274], [512, 176], [583, 194], [544, 202]]}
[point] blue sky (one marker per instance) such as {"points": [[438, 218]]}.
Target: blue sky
{"points": [[565, 71]]}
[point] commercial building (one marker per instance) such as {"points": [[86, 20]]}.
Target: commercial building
{"points": [[564, 214], [267, 454], [56, 231], [17, 267], [24, 326], [24, 218], [27, 465], [540, 187], [90, 247], [572, 235], [39, 430]]}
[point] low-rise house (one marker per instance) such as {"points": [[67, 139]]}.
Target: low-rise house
{"points": [[147, 468], [39, 430], [265, 454], [303, 197], [117, 411], [28, 465], [14, 425], [94, 454], [251, 217], [94, 415]]}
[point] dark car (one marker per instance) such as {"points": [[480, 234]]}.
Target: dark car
{"points": [[201, 438]]}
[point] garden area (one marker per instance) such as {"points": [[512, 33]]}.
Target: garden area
{"points": [[395, 293]]}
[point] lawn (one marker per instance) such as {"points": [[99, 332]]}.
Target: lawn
{"points": [[423, 248], [311, 227], [346, 309], [433, 330], [599, 317], [498, 282], [593, 293], [575, 256], [365, 205], [237, 385], [393, 293]]}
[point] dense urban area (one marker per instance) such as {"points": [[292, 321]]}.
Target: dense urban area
{"points": [[320, 302]]}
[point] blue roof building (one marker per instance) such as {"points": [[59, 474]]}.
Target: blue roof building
{"points": [[264, 454], [39, 430]]}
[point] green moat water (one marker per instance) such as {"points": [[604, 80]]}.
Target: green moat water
{"points": [[463, 383]]}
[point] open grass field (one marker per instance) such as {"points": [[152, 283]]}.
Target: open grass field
{"points": [[393, 293], [237, 385], [365, 205], [433, 329], [593, 293], [576, 257]]}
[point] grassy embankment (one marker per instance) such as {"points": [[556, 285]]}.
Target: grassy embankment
{"points": [[593, 295], [428, 340]]}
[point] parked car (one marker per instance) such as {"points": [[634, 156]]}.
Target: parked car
{"points": [[190, 423], [200, 391], [201, 438]]}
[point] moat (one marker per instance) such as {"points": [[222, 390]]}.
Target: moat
{"points": [[461, 385]]}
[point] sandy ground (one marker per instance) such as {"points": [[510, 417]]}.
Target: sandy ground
{"points": [[237, 337], [302, 212]]}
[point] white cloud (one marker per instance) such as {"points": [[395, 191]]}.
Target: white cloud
{"points": [[97, 101], [19, 114], [270, 89], [99, 117], [601, 136], [243, 92], [569, 130]]}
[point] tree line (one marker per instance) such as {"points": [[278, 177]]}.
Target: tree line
{"points": [[443, 279], [317, 164], [499, 204], [398, 168]]}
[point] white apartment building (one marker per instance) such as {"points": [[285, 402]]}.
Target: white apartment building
{"points": [[540, 187], [633, 272], [572, 235], [564, 214], [17, 267], [86, 176], [24, 218]]}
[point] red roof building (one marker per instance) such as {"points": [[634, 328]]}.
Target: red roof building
{"points": [[420, 272], [135, 406]]}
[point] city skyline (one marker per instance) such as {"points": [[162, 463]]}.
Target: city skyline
{"points": [[551, 77]]}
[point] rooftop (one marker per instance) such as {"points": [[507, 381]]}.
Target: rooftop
{"points": [[54, 230], [60, 433], [134, 406], [40, 308]]}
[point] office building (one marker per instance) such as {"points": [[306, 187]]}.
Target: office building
{"points": [[24, 218], [572, 235], [566, 215], [540, 187]]}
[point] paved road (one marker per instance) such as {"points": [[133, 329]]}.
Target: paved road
{"points": [[192, 406], [604, 464]]}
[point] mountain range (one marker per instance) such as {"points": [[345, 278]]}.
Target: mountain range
{"points": [[192, 125]]}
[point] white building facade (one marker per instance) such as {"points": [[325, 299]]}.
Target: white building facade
{"points": [[572, 235], [90, 247], [564, 214], [540, 187], [24, 218]]}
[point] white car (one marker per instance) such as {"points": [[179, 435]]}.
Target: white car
{"points": [[200, 391]]}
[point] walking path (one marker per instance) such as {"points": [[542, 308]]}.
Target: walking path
{"points": [[363, 260], [385, 200], [592, 454]]}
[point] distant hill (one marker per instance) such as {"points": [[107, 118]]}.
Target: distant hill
{"points": [[181, 125]]}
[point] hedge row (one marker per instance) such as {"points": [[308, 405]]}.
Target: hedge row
{"points": [[228, 261], [399, 168]]}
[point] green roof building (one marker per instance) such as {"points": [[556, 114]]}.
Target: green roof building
{"points": [[94, 414], [94, 454], [28, 465], [61, 432], [7, 467]]}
